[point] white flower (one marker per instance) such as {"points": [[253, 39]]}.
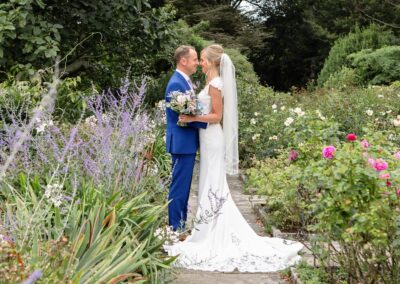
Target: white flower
{"points": [[320, 115], [396, 122], [53, 194], [381, 96], [253, 121], [383, 113], [273, 137], [256, 114], [161, 105], [389, 111], [91, 121], [275, 110], [369, 112], [289, 121], [256, 136], [274, 106], [299, 111], [40, 128], [283, 107], [181, 99]]}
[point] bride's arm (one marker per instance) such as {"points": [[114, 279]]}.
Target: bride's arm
{"points": [[214, 116]]}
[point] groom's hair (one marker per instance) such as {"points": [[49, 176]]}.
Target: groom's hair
{"points": [[182, 51]]}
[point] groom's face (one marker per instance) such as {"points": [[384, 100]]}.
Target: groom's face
{"points": [[191, 62]]}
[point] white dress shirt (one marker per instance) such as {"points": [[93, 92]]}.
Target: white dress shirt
{"points": [[187, 78]]}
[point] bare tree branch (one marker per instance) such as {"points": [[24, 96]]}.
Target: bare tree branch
{"points": [[393, 4], [377, 20], [74, 66]]}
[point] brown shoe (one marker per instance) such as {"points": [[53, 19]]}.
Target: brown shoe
{"points": [[182, 237]]}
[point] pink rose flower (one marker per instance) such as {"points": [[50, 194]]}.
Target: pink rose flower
{"points": [[351, 137], [380, 165], [328, 152], [398, 192], [293, 154], [365, 144], [371, 162], [385, 176], [397, 155]]}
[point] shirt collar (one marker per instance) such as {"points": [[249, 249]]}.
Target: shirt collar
{"points": [[183, 74]]}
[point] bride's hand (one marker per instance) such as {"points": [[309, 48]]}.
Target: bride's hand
{"points": [[186, 118]]}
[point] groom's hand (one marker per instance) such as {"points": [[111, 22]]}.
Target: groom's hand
{"points": [[186, 118]]}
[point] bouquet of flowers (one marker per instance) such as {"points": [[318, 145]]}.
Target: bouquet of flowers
{"points": [[184, 103]]}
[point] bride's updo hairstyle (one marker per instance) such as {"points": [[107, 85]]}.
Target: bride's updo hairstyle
{"points": [[213, 54]]}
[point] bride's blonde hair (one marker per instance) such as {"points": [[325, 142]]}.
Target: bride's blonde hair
{"points": [[213, 54]]}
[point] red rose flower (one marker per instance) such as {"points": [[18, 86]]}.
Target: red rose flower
{"points": [[351, 137]]}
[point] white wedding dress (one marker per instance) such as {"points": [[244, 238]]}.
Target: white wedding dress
{"points": [[221, 239]]}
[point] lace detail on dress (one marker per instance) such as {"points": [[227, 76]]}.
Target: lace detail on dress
{"points": [[217, 83], [240, 260]]}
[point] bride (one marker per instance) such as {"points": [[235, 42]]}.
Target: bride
{"points": [[222, 240]]}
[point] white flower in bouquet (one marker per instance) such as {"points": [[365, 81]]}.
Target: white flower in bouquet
{"points": [[184, 103]]}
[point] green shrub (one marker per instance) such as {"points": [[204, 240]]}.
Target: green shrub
{"points": [[377, 67], [311, 275], [342, 79], [344, 200], [357, 210], [373, 37], [263, 113]]}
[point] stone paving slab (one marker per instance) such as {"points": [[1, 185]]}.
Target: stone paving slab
{"points": [[185, 276], [197, 277]]}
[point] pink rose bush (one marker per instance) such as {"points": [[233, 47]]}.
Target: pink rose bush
{"points": [[328, 152], [379, 165], [293, 154], [365, 144]]}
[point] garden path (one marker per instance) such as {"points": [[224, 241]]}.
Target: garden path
{"points": [[185, 276]]}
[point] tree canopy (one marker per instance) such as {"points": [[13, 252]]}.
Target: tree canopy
{"points": [[98, 37]]}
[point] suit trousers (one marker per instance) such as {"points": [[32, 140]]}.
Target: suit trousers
{"points": [[182, 172]]}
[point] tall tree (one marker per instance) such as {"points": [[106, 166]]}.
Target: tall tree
{"points": [[227, 24], [304, 30], [99, 37]]}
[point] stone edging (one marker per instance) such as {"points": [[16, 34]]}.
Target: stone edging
{"points": [[294, 277]]}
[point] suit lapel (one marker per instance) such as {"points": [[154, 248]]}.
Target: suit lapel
{"points": [[183, 80]]}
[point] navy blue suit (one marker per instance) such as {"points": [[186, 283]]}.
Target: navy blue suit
{"points": [[182, 144]]}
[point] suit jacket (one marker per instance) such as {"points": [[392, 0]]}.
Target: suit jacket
{"points": [[180, 140]]}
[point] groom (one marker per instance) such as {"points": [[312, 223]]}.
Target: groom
{"points": [[182, 142]]}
